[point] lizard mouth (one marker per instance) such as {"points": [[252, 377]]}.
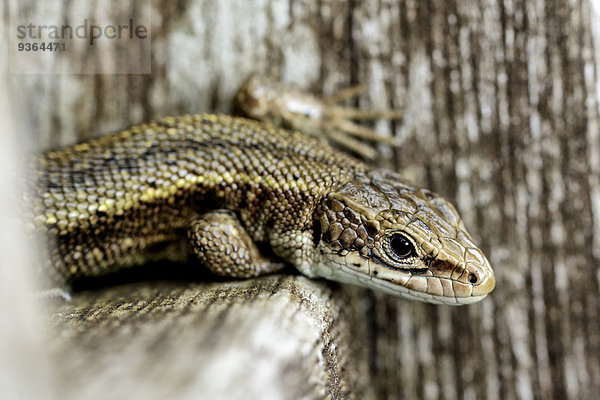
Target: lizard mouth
{"points": [[394, 289], [417, 284]]}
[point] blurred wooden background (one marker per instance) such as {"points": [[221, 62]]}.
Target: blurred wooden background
{"points": [[502, 104]]}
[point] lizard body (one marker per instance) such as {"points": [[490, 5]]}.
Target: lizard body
{"points": [[239, 195]]}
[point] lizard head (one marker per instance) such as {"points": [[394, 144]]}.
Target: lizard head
{"points": [[384, 234]]}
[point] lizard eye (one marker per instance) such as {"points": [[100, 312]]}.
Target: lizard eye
{"points": [[472, 278], [400, 247]]}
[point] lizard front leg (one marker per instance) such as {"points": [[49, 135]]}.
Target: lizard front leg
{"points": [[223, 246]]}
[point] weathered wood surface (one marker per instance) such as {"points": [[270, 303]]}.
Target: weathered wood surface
{"points": [[278, 337], [502, 116]]}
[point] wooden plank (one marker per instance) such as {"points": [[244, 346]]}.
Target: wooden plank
{"points": [[279, 337]]}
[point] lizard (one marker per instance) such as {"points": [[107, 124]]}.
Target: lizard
{"points": [[245, 198]]}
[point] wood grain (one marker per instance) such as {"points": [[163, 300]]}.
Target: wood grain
{"points": [[279, 337]]}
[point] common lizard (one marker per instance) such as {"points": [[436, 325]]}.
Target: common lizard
{"points": [[244, 198]]}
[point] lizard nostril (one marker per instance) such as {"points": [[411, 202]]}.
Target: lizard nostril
{"points": [[472, 278]]}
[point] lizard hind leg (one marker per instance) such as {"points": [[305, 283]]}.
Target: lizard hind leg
{"points": [[222, 244]]}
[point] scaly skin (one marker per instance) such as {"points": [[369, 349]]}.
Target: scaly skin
{"points": [[221, 188]]}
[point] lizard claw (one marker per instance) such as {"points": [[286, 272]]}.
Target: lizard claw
{"points": [[266, 100]]}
